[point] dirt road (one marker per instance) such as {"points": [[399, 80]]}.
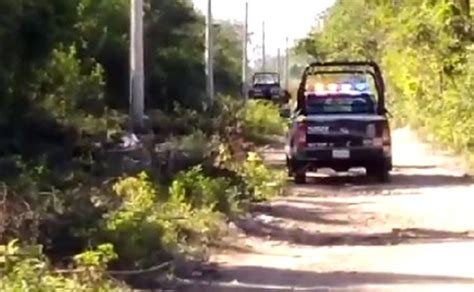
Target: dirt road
{"points": [[350, 234]]}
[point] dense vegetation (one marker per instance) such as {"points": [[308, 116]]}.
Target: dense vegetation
{"points": [[427, 52], [68, 197]]}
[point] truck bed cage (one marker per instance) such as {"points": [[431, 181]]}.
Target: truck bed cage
{"points": [[374, 71], [266, 73]]}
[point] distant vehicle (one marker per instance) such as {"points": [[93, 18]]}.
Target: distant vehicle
{"points": [[340, 121], [266, 85]]}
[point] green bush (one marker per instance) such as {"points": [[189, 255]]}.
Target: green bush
{"points": [[179, 153], [139, 237], [262, 183], [206, 192], [73, 93], [262, 119], [26, 269], [228, 113], [195, 145], [151, 225], [180, 121]]}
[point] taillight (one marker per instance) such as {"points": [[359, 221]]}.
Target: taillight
{"points": [[301, 134]]}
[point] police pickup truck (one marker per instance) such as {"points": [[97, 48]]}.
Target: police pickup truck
{"points": [[340, 121]]}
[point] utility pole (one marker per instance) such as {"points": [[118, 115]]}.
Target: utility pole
{"points": [[264, 56], [287, 66], [245, 53], [209, 53], [137, 92]]}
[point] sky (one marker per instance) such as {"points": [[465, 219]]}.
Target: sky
{"points": [[292, 18]]}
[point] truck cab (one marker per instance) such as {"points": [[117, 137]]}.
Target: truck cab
{"points": [[265, 85]]}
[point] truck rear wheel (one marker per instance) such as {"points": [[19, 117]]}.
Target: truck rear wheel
{"points": [[300, 177]]}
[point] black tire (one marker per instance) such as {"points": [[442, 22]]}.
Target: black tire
{"points": [[300, 177], [383, 175], [289, 171]]}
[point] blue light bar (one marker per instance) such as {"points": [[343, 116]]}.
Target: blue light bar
{"points": [[361, 86]]}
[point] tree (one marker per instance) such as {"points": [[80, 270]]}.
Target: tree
{"points": [[228, 63], [32, 32]]}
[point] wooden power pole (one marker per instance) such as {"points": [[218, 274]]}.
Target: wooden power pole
{"points": [[287, 66], [264, 56], [209, 53], [137, 75], [245, 65]]}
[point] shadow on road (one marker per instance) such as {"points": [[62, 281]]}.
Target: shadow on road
{"points": [[414, 167], [282, 221], [315, 214], [296, 235], [247, 278], [361, 184]]}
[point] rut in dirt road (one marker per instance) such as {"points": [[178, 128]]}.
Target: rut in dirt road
{"points": [[349, 233]]}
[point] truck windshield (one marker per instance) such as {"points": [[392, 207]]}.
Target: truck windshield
{"points": [[340, 104], [266, 78]]}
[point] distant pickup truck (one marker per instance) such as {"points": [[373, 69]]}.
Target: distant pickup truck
{"points": [[267, 86], [340, 121]]}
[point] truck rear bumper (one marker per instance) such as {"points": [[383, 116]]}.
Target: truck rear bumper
{"points": [[350, 158]]}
